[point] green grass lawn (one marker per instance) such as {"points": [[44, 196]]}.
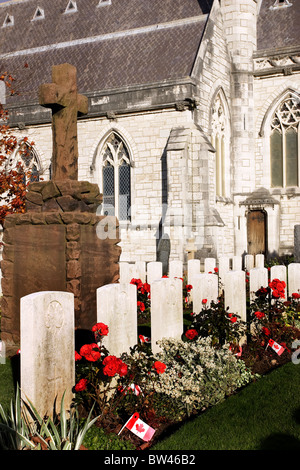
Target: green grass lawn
{"points": [[265, 415], [7, 391]]}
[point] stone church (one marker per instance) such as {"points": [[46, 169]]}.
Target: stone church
{"points": [[192, 131]]}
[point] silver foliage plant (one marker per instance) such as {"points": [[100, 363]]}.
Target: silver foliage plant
{"points": [[199, 375]]}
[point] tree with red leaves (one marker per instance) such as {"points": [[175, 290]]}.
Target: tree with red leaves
{"points": [[13, 180]]}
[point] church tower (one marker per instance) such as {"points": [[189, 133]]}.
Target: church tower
{"points": [[239, 18], [240, 33]]}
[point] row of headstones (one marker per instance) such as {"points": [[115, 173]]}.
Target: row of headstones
{"points": [[47, 334], [47, 323], [153, 270]]}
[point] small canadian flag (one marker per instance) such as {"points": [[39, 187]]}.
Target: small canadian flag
{"points": [[144, 339], [139, 428], [277, 347]]}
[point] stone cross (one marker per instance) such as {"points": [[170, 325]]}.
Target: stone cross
{"points": [[66, 104]]}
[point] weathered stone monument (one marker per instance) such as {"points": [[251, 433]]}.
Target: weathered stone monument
{"points": [[55, 245]]}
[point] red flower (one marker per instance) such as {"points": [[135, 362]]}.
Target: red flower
{"points": [[266, 331], [191, 334], [81, 385], [189, 287], [216, 270], [259, 315], [77, 356], [141, 306], [160, 367], [232, 318], [101, 329], [90, 352], [278, 288], [295, 295], [122, 369], [204, 301], [113, 366]]}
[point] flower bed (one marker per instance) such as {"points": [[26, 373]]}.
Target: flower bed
{"points": [[209, 363]]}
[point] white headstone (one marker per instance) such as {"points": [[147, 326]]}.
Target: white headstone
{"points": [[224, 267], [209, 265], [237, 263], [47, 349], [249, 262], [258, 278], [235, 293], [140, 267], [127, 272], [117, 308], [205, 287], [193, 268], [293, 278], [154, 271], [2, 352], [279, 272], [175, 269], [259, 261], [166, 311]]}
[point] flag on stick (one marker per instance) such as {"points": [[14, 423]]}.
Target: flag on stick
{"points": [[144, 339], [139, 428], [276, 347]]}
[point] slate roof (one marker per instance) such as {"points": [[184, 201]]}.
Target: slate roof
{"points": [[279, 27], [127, 42]]}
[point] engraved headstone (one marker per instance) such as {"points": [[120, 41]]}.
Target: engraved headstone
{"points": [[47, 349], [205, 287], [117, 308], [166, 311], [258, 278]]}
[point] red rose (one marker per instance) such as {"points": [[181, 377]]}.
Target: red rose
{"points": [[111, 366], [77, 356], [189, 287], [216, 270], [259, 315], [190, 334], [160, 367], [100, 329], [266, 331], [204, 301], [295, 295], [278, 288], [232, 318], [81, 385], [122, 369], [90, 352], [141, 306]]}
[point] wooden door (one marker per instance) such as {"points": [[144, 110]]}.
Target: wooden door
{"points": [[256, 232]]}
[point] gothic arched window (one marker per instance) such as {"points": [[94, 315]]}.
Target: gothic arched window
{"points": [[116, 178], [284, 148], [25, 160], [219, 139]]}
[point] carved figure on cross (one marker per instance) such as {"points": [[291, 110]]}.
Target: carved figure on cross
{"points": [[66, 104]]}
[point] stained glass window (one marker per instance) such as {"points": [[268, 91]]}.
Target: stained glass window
{"points": [[116, 179], [284, 149]]}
